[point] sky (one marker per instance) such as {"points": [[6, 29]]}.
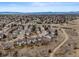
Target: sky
{"points": [[39, 6]]}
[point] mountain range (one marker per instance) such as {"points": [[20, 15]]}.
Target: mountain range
{"points": [[40, 13]]}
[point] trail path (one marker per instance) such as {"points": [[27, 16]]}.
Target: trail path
{"points": [[61, 44]]}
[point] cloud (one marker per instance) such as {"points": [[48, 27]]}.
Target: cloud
{"points": [[51, 4], [39, 4]]}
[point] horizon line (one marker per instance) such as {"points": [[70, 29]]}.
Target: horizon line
{"points": [[40, 11]]}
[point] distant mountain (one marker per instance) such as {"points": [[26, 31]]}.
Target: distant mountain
{"points": [[55, 13], [10, 12], [41, 13]]}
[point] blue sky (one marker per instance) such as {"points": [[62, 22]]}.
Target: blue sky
{"points": [[39, 6]]}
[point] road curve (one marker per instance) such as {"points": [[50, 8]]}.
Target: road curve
{"points": [[65, 40]]}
